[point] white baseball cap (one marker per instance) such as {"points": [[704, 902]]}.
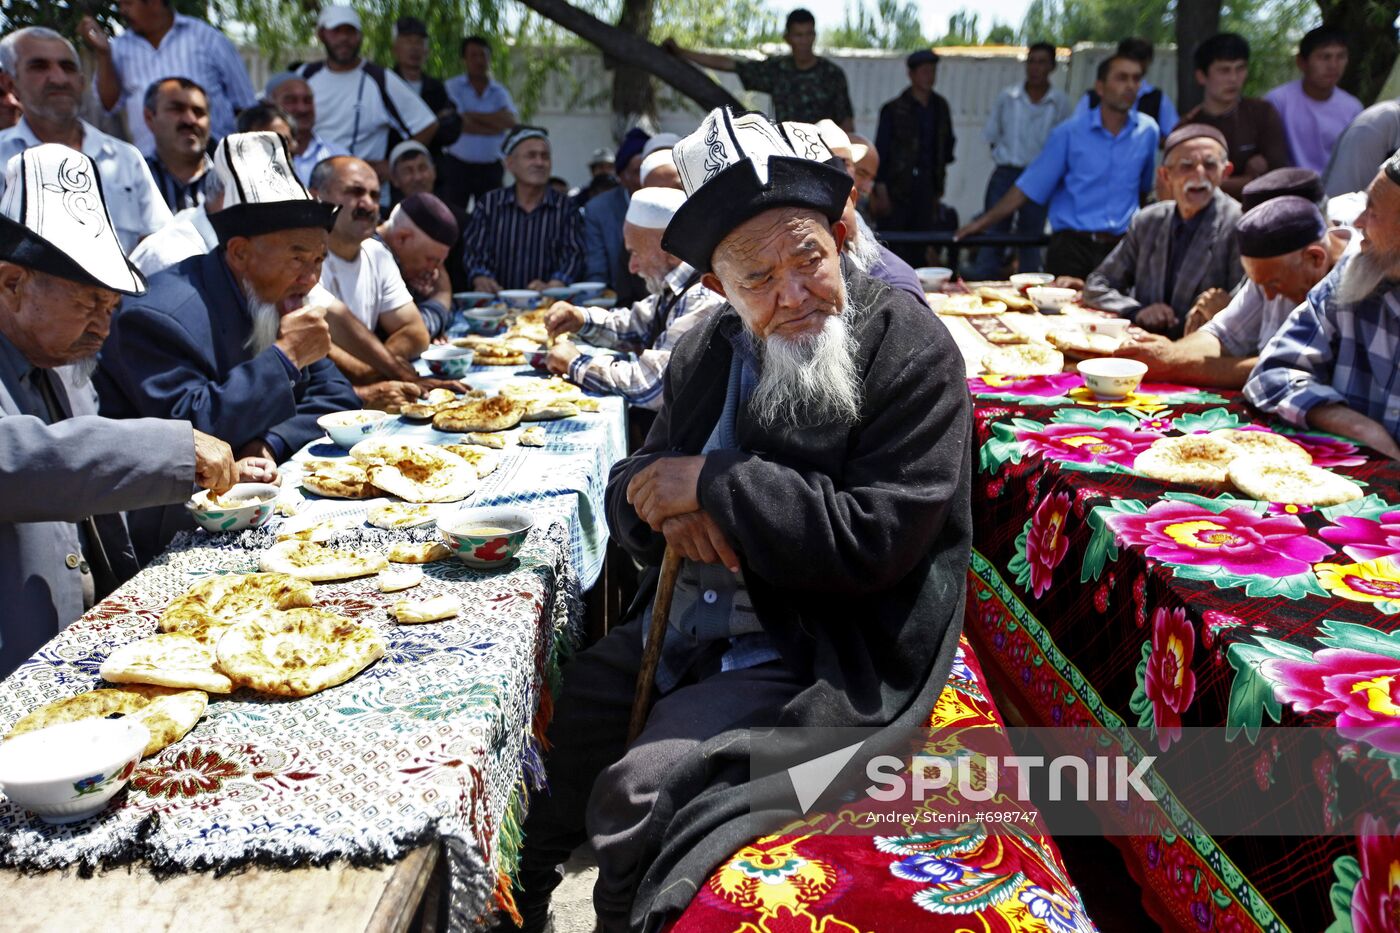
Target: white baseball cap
{"points": [[338, 15]]}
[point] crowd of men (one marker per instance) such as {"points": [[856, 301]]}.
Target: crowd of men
{"points": [[178, 310]]}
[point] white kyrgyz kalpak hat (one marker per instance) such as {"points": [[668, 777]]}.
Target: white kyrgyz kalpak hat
{"points": [[53, 218], [736, 167], [261, 192], [653, 208], [654, 161]]}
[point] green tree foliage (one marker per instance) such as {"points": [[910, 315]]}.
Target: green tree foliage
{"points": [[889, 24]]}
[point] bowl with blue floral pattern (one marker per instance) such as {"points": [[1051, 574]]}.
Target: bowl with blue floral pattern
{"points": [[246, 505], [69, 772]]}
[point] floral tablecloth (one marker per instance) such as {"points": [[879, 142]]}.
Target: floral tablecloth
{"points": [[435, 741], [1099, 597]]}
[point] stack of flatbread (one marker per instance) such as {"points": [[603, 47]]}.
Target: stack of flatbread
{"points": [[168, 713], [433, 402], [1008, 297], [415, 472], [497, 351], [219, 601], [1027, 359], [491, 414], [337, 479], [1262, 465]]}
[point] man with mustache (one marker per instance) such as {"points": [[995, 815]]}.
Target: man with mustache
{"points": [[177, 114], [811, 466], [49, 83], [1331, 367], [1179, 251], [69, 474], [228, 339]]}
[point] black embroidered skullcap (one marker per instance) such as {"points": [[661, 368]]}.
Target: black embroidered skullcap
{"points": [[432, 216], [1282, 182], [1278, 227]]}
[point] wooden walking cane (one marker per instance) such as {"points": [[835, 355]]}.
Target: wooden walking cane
{"points": [[656, 634]]}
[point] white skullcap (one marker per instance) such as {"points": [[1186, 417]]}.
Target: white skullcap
{"points": [[656, 160], [653, 208], [659, 141]]}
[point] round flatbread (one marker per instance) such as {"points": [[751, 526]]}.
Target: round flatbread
{"points": [[218, 601], [483, 459], [318, 563], [1192, 458], [490, 414], [337, 479], [417, 472], [553, 387], [167, 713], [398, 515], [1268, 478], [297, 653], [1279, 447], [1028, 359], [169, 659]]}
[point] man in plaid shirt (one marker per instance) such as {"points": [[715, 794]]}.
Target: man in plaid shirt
{"points": [[648, 329], [1332, 366]]}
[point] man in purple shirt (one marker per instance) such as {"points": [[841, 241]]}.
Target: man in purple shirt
{"points": [[1314, 110]]}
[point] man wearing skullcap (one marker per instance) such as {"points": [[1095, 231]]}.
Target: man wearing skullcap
{"points": [[1177, 251], [604, 257], [1331, 366], [1286, 248], [810, 466], [230, 339], [1282, 182], [659, 171], [647, 330], [420, 233], [527, 235]]}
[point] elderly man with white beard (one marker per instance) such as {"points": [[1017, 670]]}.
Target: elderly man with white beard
{"points": [[811, 466], [226, 339], [1177, 253], [1331, 366]]}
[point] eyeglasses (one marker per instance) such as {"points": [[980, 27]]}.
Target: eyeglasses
{"points": [[1189, 166]]}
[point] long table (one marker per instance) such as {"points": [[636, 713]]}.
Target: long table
{"points": [[1092, 587]]}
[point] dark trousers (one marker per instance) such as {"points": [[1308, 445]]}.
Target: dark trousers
{"points": [[1077, 254], [602, 790], [1029, 220], [462, 181], [918, 208]]}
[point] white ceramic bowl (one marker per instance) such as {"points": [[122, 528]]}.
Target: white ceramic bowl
{"points": [[1112, 378], [1050, 299], [1112, 326], [560, 294], [68, 772], [449, 362], [468, 300], [1024, 280], [348, 428], [932, 278], [509, 528], [520, 299], [602, 301], [260, 499], [485, 321], [586, 290]]}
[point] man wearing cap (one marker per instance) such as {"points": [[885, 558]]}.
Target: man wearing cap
{"points": [[227, 339], [604, 257], [648, 330], [916, 144], [411, 169], [601, 178], [69, 474], [49, 81], [527, 235], [410, 50], [1175, 251], [177, 114], [473, 165], [1286, 248], [420, 233], [295, 96], [1331, 366], [659, 171], [358, 102], [810, 465], [1092, 174], [160, 43]]}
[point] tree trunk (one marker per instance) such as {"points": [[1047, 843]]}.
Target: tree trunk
{"points": [[637, 52], [1371, 26], [1196, 20], [633, 94]]}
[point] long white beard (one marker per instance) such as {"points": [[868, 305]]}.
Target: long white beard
{"points": [[864, 249], [266, 320], [1364, 273], [809, 380], [655, 285]]}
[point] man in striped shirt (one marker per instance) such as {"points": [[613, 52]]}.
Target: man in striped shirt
{"points": [[160, 43], [527, 235], [177, 113], [648, 329]]}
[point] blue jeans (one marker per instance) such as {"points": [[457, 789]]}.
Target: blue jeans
{"points": [[1030, 219]]}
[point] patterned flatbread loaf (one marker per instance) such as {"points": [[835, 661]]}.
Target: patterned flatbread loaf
{"points": [[398, 515], [553, 387], [168, 659], [434, 609], [167, 713], [1029, 359], [1270, 478], [497, 354], [318, 563], [483, 459], [1192, 458], [1263, 442], [411, 552], [298, 652], [221, 600], [337, 479], [490, 414], [417, 472]]}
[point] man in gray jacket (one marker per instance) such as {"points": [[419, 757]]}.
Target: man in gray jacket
{"points": [[1178, 252], [69, 473]]}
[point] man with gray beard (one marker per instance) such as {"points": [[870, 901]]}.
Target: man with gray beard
{"points": [[226, 339], [811, 466], [1331, 366]]}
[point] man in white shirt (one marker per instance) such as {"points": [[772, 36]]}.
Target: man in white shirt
{"points": [[295, 97], [358, 101], [1021, 121], [473, 163], [49, 83]]}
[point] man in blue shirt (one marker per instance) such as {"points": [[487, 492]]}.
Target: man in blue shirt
{"points": [[1092, 173]]}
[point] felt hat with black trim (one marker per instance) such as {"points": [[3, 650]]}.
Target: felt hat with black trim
{"points": [[734, 168], [53, 218], [261, 192]]}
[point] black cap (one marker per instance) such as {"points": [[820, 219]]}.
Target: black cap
{"points": [[1190, 131], [432, 216], [921, 57], [1281, 182], [1278, 227], [410, 26]]}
